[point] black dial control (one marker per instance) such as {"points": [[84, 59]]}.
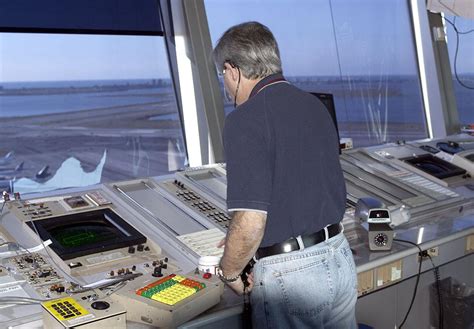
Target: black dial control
{"points": [[381, 240], [100, 305], [157, 272]]}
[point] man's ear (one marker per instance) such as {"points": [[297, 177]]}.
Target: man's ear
{"points": [[234, 72]]}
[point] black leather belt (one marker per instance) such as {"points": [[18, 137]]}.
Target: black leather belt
{"points": [[292, 244]]}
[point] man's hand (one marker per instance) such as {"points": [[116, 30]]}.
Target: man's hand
{"points": [[243, 238], [238, 286]]}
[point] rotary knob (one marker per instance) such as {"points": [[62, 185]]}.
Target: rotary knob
{"points": [[381, 240]]}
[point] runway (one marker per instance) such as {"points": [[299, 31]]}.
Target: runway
{"points": [[136, 146]]}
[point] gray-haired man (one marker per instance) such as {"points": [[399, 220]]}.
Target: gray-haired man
{"points": [[286, 191]]}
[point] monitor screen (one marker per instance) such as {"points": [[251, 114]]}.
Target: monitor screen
{"points": [[328, 101], [379, 213], [80, 234]]}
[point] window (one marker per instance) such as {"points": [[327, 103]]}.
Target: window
{"points": [[78, 110], [462, 64], [360, 51]]}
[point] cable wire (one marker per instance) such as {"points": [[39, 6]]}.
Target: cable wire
{"points": [[453, 24], [437, 276], [416, 287], [438, 290], [14, 300], [21, 299]]}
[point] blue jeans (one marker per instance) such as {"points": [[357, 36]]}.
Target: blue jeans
{"points": [[311, 288]]}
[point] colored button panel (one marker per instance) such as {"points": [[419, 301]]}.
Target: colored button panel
{"points": [[171, 289]]}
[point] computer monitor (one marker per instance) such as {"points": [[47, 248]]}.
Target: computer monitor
{"points": [[328, 101], [86, 233]]}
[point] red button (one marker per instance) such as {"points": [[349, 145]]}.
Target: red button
{"points": [[207, 275]]}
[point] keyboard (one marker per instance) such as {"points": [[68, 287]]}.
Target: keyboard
{"points": [[171, 289], [204, 243]]}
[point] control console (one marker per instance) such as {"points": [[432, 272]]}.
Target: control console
{"points": [[93, 265]]}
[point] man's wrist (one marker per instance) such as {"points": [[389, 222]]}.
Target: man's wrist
{"points": [[226, 279]]}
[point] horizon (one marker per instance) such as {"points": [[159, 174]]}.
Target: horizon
{"points": [[169, 79]]}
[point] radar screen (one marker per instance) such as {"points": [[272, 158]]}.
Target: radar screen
{"points": [[87, 233]]}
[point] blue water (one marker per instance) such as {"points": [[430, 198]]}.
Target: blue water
{"points": [[465, 102], [359, 100], [75, 83], [16, 106], [27, 105], [397, 98], [362, 99]]}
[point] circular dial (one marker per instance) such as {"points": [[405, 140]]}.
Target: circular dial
{"points": [[381, 240]]}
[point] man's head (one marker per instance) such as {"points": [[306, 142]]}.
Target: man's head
{"points": [[251, 47], [245, 54]]}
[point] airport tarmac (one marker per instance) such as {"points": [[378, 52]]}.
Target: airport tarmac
{"points": [[136, 146]]}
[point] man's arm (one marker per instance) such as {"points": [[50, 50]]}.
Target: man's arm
{"points": [[243, 239]]}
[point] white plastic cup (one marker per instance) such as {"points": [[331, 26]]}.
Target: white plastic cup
{"points": [[209, 264]]}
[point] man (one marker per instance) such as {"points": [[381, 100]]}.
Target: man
{"points": [[286, 192]]}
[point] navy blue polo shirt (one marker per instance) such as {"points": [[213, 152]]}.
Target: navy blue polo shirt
{"points": [[282, 155]]}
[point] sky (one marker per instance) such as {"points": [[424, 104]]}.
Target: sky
{"points": [[370, 37], [58, 57]]}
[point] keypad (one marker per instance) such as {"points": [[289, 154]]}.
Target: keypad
{"points": [[171, 289], [65, 308]]}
